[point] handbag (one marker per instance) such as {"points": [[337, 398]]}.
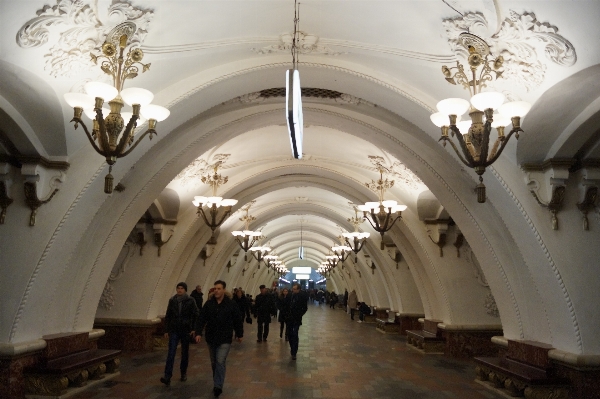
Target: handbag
{"points": [[249, 320]]}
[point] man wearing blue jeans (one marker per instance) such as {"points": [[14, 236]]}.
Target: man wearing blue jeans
{"points": [[298, 306], [180, 320], [221, 316]]}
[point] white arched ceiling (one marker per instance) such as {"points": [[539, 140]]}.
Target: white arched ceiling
{"points": [[208, 67]]}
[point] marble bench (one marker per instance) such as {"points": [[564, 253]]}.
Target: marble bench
{"points": [[68, 362], [429, 339]]}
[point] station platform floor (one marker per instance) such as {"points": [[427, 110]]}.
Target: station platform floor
{"points": [[337, 358]]}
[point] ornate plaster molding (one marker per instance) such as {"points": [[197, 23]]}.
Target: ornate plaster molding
{"points": [[198, 167], [84, 32], [517, 40], [307, 44], [490, 306], [472, 260], [107, 299]]}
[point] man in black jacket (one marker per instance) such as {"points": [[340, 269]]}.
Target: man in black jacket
{"points": [[298, 306], [180, 320], [264, 307], [220, 316]]}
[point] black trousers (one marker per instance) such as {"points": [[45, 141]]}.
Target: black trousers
{"points": [[263, 331]]}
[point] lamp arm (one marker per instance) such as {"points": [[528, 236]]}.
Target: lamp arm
{"points": [[149, 131], [463, 145], [102, 129], [201, 212], [492, 160], [89, 136], [371, 223], [225, 215], [393, 222], [463, 160], [126, 136]]}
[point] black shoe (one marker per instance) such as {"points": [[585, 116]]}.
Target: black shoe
{"points": [[293, 357], [217, 391], [259, 340], [166, 381], [183, 378]]}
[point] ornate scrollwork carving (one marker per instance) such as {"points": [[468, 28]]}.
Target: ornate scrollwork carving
{"points": [[516, 41], [45, 385], [545, 392], [307, 44], [490, 305], [85, 32]]}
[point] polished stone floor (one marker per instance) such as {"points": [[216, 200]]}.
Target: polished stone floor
{"points": [[338, 358]]}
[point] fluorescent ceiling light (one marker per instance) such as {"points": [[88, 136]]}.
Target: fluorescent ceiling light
{"points": [[302, 276], [302, 270], [293, 111]]}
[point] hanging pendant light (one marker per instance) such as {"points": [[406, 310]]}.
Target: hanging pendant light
{"points": [[293, 95], [215, 218], [246, 238]]}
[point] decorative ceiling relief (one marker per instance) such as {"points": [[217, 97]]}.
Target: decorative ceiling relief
{"points": [[472, 260], [490, 305], [307, 44], [406, 176], [198, 167], [107, 299], [518, 41], [350, 99], [85, 32]]}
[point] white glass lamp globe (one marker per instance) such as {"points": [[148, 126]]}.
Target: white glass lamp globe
{"points": [[487, 100], [515, 108], [136, 95], [453, 106], [156, 112], [102, 90]]}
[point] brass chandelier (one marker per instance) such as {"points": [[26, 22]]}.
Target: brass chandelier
{"points": [[381, 214], [215, 217], [341, 251], [259, 253], [108, 137], [475, 143], [356, 240], [247, 238]]}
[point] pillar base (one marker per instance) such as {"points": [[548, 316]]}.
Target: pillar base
{"points": [[467, 341], [127, 334]]}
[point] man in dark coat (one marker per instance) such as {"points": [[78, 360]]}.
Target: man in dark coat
{"points": [[264, 307], [220, 316], [180, 321], [298, 306], [198, 295]]}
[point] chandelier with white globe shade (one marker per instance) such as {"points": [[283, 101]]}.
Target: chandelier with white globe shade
{"points": [[113, 131], [218, 208], [473, 136]]}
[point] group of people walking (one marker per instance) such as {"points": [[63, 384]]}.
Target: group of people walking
{"points": [[221, 319]]}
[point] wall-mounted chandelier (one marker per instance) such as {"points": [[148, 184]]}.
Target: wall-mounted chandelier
{"points": [[216, 217], [356, 239], [475, 143], [381, 214], [293, 96], [271, 260], [108, 137], [259, 253], [247, 238], [342, 251]]}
